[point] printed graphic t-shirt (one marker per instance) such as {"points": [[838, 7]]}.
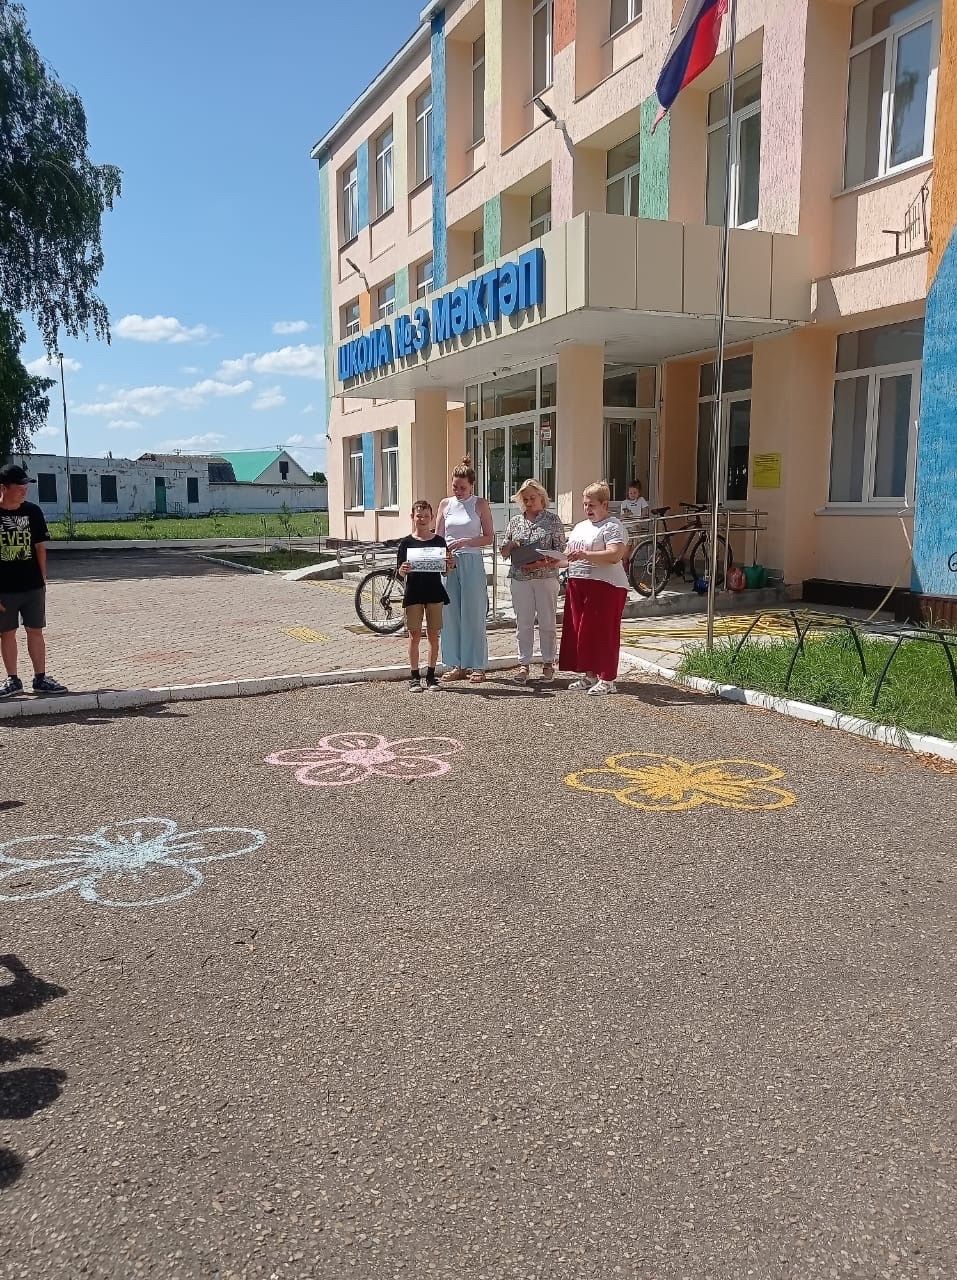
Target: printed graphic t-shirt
{"points": [[425, 587], [20, 532], [595, 536]]}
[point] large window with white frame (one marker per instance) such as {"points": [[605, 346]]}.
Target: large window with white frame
{"points": [[349, 197], [385, 299], [745, 150], [543, 27], [356, 480], [735, 431], [540, 219], [423, 136], [478, 90], [623, 12], [876, 404], [384, 180], [891, 87], [389, 468], [621, 183], [424, 277], [350, 319]]}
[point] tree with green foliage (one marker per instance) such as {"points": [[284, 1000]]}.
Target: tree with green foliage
{"points": [[52, 201], [318, 477]]}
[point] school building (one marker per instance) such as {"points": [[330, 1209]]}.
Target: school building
{"points": [[517, 265]]}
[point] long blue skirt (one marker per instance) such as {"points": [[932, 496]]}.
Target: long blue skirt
{"points": [[464, 640]]}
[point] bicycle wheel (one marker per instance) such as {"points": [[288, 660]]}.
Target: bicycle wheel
{"points": [[379, 602], [649, 567], [701, 560]]}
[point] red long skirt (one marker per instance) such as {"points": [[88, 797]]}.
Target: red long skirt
{"points": [[591, 630]]}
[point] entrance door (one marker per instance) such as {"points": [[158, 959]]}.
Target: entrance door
{"points": [[508, 459], [631, 453], [160, 490]]}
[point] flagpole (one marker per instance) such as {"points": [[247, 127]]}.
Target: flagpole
{"points": [[718, 424]]}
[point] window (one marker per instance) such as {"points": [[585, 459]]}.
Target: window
{"points": [[79, 489], [735, 431], [385, 299], [891, 86], [389, 497], [622, 180], [350, 201], [283, 470], [424, 276], [108, 489], [478, 249], [542, 28], [356, 489], [192, 490], [541, 214], [46, 487], [745, 151], [423, 137], [350, 319], [622, 13], [876, 403], [384, 185], [478, 90]]}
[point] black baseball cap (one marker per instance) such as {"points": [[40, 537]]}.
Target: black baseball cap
{"points": [[13, 474]]}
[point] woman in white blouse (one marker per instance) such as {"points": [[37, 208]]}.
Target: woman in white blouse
{"points": [[596, 595]]}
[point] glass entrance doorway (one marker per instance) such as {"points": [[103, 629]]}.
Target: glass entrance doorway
{"points": [[631, 453], [510, 456]]}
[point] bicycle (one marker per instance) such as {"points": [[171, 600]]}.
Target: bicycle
{"points": [[653, 561], [379, 601]]}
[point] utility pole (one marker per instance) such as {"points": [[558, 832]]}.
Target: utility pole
{"points": [[66, 443]]}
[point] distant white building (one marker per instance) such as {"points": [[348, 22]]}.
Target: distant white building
{"points": [[255, 483]]}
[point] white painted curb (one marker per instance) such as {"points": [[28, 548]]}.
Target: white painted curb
{"points": [[918, 743], [123, 699]]}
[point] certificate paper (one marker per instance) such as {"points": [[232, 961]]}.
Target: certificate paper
{"points": [[427, 559]]}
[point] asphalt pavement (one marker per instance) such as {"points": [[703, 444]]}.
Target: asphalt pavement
{"points": [[489, 983]]}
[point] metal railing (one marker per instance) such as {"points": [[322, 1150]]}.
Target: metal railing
{"points": [[915, 233], [738, 520]]}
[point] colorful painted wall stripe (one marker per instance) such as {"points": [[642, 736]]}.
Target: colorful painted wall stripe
{"points": [[362, 164], [368, 471], [328, 326], [440, 247]]}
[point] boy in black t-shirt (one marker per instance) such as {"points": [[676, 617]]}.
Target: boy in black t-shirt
{"points": [[425, 592], [23, 580]]}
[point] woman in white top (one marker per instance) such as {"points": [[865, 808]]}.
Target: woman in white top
{"points": [[465, 522], [596, 595]]}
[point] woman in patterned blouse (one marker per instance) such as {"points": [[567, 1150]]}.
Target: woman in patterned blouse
{"points": [[534, 579]]}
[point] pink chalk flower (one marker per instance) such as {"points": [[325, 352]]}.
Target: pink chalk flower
{"points": [[346, 758]]}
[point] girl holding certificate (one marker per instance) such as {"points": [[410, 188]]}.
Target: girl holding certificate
{"points": [[534, 575]]}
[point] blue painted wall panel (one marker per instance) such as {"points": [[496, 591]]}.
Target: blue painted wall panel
{"points": [[440, 250], [362, 162], [325, 277], [935, 515], [368, 471]]}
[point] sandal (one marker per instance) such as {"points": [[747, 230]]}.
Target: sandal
{"points": [[477, 677], [521, 675], [454, 673]]}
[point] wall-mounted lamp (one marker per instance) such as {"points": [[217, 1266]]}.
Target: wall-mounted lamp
{"points": [[360, 274], [545, 109]]}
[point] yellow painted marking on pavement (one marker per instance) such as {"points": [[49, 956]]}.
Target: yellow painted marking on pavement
{"points": [[665, 784], [305, 634], [333, 586]]}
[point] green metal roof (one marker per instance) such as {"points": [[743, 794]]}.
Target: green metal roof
{"points": [[248, 467]]}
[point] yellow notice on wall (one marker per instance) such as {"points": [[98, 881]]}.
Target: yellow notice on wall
{"points": [[767, 471]]}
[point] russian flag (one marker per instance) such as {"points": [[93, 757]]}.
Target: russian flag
{"points": [[692, 50]]}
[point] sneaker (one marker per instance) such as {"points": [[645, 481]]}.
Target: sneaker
{"points": [[44, 684], [431, 682], [521, 675], [10, 686], [582, 684], [548, 672], [602, 686], [415, 684]]}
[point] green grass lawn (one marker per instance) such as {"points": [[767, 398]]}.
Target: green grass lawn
{"points": [[307, 525], [918, 693], [279, 561]]}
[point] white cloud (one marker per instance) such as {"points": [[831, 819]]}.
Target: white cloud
{"points": [[291, 326], [150, 402], [190, 370], [43, 367], [160, 329], [296, 439], [310, 408], [302, 361], [271, 398], [209, 440], [124, 424], [48, 432]]}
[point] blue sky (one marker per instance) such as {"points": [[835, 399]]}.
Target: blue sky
{"points": [[212, 253]]}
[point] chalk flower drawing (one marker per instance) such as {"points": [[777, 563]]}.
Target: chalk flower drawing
{"points": [[143, 862], [346, 758], [643, 780]]}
